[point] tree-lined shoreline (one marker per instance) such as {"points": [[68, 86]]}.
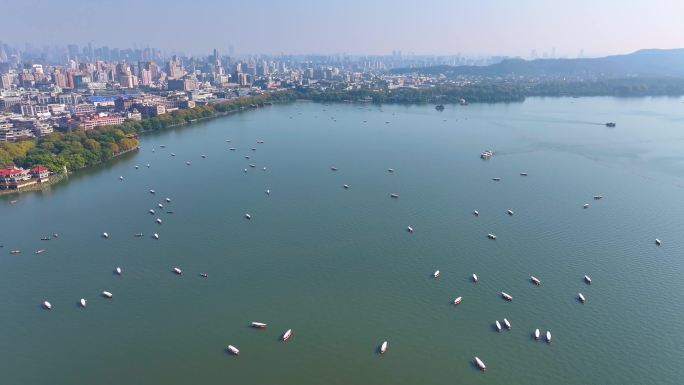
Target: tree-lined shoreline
{"points": [[78, 149]]}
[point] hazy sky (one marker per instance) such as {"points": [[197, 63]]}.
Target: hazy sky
{"points": [[509, 27]]}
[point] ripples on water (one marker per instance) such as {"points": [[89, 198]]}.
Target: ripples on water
{"points": [[338, 266]]}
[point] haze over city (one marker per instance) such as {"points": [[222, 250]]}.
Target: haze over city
{"points": [[514, 28]]}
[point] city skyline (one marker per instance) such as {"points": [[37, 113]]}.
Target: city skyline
{"points": [[432, 27]]}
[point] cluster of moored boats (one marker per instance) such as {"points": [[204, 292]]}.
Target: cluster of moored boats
{"points": [[505, 324], [499, 326], [285, 336], [108, 295]]}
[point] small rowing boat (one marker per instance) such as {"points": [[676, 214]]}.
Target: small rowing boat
{"points": [[383, 347], [286, 336], [480, 364], [258, 325]]}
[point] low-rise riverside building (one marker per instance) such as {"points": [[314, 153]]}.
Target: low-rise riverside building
{"points": [[89, 124], [14, 178]]}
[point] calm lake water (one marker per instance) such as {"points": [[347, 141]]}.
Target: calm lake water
{"points": [[338, 266]]}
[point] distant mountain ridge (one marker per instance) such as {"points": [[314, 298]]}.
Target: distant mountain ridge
{"points": [[642, 63]]}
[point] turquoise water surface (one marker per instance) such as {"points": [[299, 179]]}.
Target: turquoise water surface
{"points": [[338, 266]]}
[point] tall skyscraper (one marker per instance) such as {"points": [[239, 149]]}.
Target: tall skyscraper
{"points": [[145, 77], [72, 49], [6, 81], [3, 54], [174, 70], [59, 79]]}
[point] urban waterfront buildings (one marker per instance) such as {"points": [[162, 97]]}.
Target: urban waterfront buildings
{"points": [[71, 87]]}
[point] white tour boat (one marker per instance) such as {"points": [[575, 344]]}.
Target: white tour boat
{"points": [[258, 325], [286, 336]]}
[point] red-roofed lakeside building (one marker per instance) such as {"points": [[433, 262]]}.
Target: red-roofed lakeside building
{"points": [[42, 174], [12, 178]]}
